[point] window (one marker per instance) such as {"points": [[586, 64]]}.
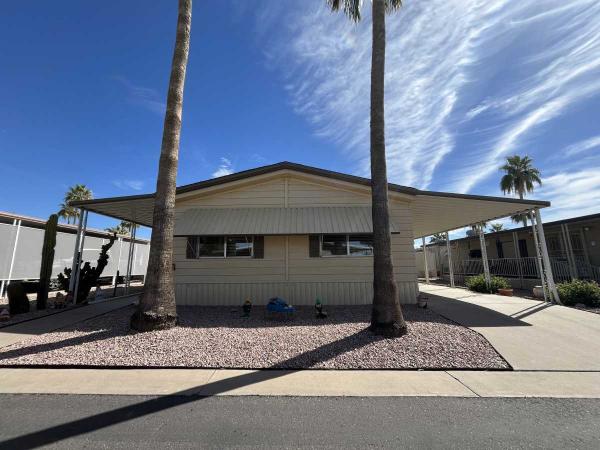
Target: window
{"points": [[523, 248], [219, 246], [239, 246], [346, 245]]}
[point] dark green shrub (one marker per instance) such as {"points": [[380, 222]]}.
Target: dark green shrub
{"points": [[579, 291], [18, 303], [478, 284]]}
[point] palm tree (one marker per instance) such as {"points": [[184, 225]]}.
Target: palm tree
{"points": [[157, 308], [386, 315], [519, 178], [438, 238], [123, 228], [74, 193], [495, 227]]}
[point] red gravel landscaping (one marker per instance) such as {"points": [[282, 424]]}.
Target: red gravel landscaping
{"points": [[219, 337]]}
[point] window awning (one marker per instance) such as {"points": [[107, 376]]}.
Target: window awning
{"points": [[276, 221]]}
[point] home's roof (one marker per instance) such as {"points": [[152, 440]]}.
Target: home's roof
{"points": [[36, 222], [450, 210], [570, 220]]}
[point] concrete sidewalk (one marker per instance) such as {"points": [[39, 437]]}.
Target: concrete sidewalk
{"points": [[529, 334], [321, 383], [24, 330]]}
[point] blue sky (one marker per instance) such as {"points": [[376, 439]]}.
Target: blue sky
{"points": [[468, 82]]}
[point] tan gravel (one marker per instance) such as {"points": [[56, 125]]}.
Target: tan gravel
{"points": [[219, 337]]}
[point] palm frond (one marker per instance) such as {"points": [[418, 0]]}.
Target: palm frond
{"points": [[350, 7]]}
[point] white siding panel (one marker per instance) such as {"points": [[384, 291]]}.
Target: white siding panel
{"points": [[296, 293]]}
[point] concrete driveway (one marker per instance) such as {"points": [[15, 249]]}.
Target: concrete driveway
{"points": [[529, 334]]}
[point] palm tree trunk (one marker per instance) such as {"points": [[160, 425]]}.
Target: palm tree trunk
{"points": [[157, 308], [386, 315], [521, 196]]}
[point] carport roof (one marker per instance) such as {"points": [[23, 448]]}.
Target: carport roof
{"points": [[433, 212]]}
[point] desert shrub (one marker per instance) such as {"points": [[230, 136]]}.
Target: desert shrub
{"points": [[18, 303], [579, 291], [478, 284]]}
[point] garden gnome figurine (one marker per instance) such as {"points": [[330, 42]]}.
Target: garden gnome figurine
{"points": [[247, 307], [319, 309]]}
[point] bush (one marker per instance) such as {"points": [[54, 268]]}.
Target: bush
{"points": [[18, 303], [579, 291], [478, 284]]}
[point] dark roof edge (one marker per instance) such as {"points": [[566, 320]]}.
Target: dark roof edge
{"points": [[553, 223], [285, 165]]}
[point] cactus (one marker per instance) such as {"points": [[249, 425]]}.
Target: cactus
{"points": [[18, 303], [47, 261], [88, 275]]}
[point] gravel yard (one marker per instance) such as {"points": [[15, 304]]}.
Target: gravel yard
{"points": [[219, 337]]}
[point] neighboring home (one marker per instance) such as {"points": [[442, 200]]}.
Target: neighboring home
{"points": [[297, 232], [22, 237], [573, 248]]}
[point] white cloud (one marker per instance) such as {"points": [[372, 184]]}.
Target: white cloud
{"points": [[146, 97], [573, 193], [225, 168], [136, 185], [444, 58], [583, 146]]}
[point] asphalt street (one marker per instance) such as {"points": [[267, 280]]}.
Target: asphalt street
{"points": [[76, 421]]}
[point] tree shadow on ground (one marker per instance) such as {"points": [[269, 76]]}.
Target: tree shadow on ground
{"points": [[105, 419], [471, 315]]}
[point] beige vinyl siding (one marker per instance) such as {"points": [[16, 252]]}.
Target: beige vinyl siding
{"points": [[337, 280]]}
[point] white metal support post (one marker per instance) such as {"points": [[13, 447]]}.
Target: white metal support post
{"points": [[538, 254], [114, 280], [450, 264], [130, 256], [484, 258], [546, 259], [16, 223], [515, 237], [425, 261], [80, 257], [569, 251]]}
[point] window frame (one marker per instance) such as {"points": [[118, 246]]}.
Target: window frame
{"points": [[348, 254], [225, 237]]}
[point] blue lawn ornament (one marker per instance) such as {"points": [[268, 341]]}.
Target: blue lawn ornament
{"points": [[279, 305]]}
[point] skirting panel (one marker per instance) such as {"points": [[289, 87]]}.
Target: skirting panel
{"points": [[296, 293]]}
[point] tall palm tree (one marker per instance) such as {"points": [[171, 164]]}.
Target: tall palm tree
{"points": [[519, 178], [123, 228], [157, 308], [74, 193], [495, 227], [386, 315]]}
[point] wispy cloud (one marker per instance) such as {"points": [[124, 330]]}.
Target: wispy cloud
{"points": [[583, 146], [146, 97], [225, 168], [467, 82], [573, 193], [136, 185]]}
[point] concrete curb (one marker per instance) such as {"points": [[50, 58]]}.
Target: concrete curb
{"points": [[311, 383]]}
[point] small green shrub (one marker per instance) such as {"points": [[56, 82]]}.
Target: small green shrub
{"points": [[18, 303], [478, 284], [579, 291]]}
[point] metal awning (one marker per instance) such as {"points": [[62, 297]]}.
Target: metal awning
{"points": [[276, 221]]}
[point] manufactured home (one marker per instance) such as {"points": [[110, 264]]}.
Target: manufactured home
{"points": [[297, 232]]}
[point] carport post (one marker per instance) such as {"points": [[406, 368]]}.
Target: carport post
{"points": [[538, 254], [425, 261], [114, 280], [549, 277], [518, 256], [450, 265], [486, 266], [80, 258], [76, 252], [17, 223], [129, 255]]}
